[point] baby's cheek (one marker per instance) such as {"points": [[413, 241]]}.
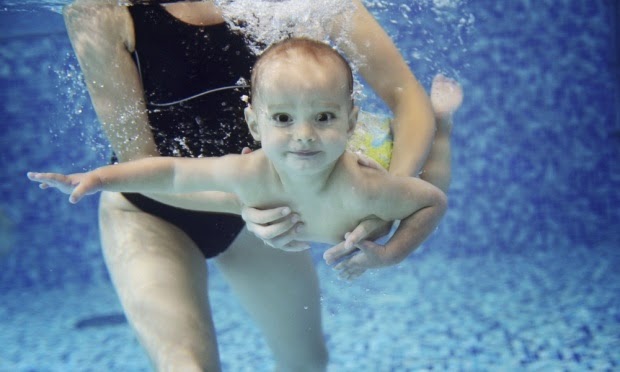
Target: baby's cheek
{"points": [[336, 139], [271, 138]]}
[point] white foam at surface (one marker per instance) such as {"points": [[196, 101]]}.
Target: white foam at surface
{"points": [[271, 21]]}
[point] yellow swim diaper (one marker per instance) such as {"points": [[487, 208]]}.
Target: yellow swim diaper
{"points": [[373, 138]]}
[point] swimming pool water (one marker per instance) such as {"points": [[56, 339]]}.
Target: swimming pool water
{"points": [[521, 274]]}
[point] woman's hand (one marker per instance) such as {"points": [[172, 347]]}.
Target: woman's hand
{"points": [[369, 162], [354, 261], [276, 227], [357, 253]]}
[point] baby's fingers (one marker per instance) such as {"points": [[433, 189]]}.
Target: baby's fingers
{"points": [[84, 186], [49, 179], [77, 194]]}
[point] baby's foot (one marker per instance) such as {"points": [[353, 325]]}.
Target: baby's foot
{"points": [[446, 96]]}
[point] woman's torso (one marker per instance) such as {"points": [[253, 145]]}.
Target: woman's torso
{"points": [[178, 60]]}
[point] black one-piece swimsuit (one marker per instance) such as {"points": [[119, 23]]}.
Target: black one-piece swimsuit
{"points": [[177, 60]]}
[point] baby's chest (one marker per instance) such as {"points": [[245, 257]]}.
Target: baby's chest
{"points": [[327, 221], [326, 217]]}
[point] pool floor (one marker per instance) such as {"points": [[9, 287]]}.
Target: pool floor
{"points": [[556, 310]]}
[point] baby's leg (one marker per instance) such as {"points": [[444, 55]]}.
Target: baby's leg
{"points": [[446, 98]]}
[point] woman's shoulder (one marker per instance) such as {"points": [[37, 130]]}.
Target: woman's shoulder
{"points": [[93, 2], [82, 6], [87, 10], [99, 19]]}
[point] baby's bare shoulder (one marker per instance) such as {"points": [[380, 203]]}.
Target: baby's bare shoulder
{"points": [[365, 182]]}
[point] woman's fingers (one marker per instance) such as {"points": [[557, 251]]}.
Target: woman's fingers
{"points": [[277, 227], [273, 230], [295, 246], [350, 269], [369, 255], [367, 230], [369, 162], [264, 216], [284, 240], [338, 252]]}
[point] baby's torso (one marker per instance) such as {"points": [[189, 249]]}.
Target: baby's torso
{"points": [[326, 219], [328, 214]]}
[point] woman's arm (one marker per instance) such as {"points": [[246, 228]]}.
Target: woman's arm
{"points": [[102, 35], [384, 68], [365, 42], [418, 204]]}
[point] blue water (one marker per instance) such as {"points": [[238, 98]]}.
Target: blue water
{"points": [[520, 276]]}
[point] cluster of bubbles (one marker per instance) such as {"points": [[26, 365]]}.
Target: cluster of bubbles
{"points": [[78, 109], [270, 21], [273, 20], [31, 5]]}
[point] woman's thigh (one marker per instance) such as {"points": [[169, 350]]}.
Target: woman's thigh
{"points": [[161, 279], [281, 292]]}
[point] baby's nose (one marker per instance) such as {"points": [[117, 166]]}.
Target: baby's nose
{"points": [[305, 133]]}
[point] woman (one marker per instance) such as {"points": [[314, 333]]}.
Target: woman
{"points": [[138, 62]]}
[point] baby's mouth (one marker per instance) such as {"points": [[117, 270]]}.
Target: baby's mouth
{"points": [[304, 153]]}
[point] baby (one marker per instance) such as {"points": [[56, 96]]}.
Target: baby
{"points": [[303, 113]]}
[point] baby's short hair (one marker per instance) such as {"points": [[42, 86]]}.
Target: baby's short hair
{"points": [[312, 48]]}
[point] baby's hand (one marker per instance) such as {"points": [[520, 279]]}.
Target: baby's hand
{"points": [[77, 184]]}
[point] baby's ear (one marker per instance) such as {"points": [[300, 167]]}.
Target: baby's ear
{"points": [[353, 120], [250, 119]]}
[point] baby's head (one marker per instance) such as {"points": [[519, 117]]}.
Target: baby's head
{"points": [[302, 108], [288, 51]]}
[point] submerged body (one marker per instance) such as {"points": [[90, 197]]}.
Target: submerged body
{"points": [[303, 114], [347, 194]]}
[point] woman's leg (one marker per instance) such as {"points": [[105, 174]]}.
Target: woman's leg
{"points": [[161, 279], [281, 292]]}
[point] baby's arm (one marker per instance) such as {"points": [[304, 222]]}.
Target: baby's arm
{"points": [[414, 229], [418, 204], [156, 175]]}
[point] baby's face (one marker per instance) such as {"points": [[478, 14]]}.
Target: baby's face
{"points": [[304, 113]]}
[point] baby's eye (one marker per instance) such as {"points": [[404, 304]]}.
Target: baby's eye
{"points": [[325, 116], [282, 118]]}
